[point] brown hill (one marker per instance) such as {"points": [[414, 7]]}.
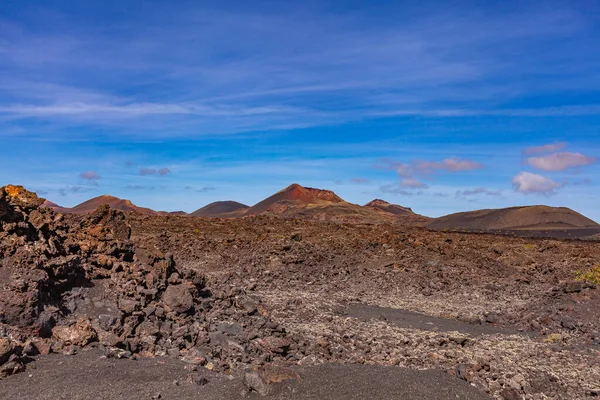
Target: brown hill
{"points": [[382, 205], [294, 196], [114, 202], [515, 218], [221, 209], [92, 204], [54, 206]]}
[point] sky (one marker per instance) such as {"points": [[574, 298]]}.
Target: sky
{"points": [[439, 106]]}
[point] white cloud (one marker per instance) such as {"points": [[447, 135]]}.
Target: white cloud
{"points": [[560, 161], [409, 173], [527, 182]]}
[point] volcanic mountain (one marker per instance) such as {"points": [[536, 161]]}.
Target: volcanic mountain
{"points": [[92, 204], [382, 205], [221, 209], [297, 201], [516, 218], [295, 196]]}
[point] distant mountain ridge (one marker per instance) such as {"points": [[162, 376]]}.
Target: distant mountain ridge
{"points": [[296, 201], [515, 218]]}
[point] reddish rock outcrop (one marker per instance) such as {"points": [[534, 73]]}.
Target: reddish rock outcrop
{"points": [[72, 280]]}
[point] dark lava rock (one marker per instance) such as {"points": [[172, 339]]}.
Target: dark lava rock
{"points": [[178, 298], [46, 322], [573, 287], [197, 379], [218, 339], [6, 349], [254, 382], [13, 366], [128, 306], [510, 394], [195, 356], [231, 329], [568, 323]]}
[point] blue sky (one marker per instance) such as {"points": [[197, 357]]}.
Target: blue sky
{"points": [[440, 106]]}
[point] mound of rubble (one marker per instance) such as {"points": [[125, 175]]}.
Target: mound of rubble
{"points": [[70, 281]]}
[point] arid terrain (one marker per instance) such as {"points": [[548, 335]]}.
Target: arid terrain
{"points": [[126, 305], [305, 203]]}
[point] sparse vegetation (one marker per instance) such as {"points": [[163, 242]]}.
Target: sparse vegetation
{"points": [[553, 338], [592, 275]]}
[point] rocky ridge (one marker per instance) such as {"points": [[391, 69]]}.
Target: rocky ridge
{"points": [[74, 281]]}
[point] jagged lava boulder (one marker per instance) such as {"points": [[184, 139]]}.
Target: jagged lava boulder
{"points": [[67, 281]]}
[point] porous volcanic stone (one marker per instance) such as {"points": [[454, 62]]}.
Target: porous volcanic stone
{"points": [[178, 298]]}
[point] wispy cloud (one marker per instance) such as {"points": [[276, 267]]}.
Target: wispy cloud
{"points": [[153, 171], [453, 164], [546, 148], [135, 110], [359, 181], [204, 189], [90, 176], [560, 161], [73, 189], [410, 182], [140, 187], [433, 112], [477, 191], [411, 174], [397, 190], [277, 70], [147, 171]]}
